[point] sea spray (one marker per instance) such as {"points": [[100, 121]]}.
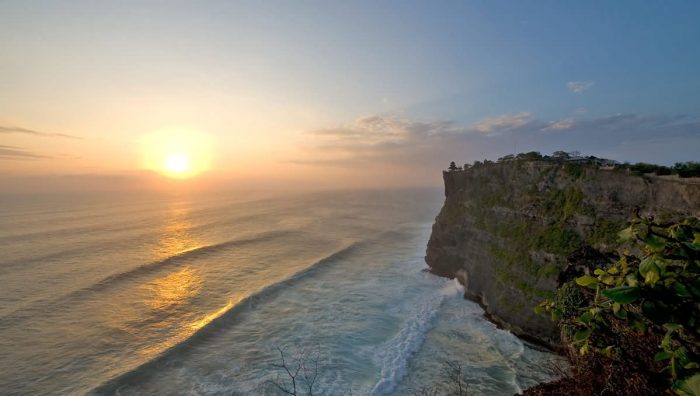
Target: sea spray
{"points": [[395, 354]]}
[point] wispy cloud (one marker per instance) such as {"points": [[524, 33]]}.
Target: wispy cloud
{"points": [[559, 125], [579, 86], [503, 122], [25, 131], [18, 153], [390, 141]]}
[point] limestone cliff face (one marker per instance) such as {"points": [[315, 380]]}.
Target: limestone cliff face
{"points": [[506, 229]]}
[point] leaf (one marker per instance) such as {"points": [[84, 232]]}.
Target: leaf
{"points": [[632, 280], [626, 234], [677, 232], [690, 386], [655, 243], [663, 355], [582, 335], [599, 272], [652, 277], [649, 270], [586, 317], [639, 326], [587, 281], [607, 351], [584, 349], [623, 294], [556, 315], [621, 314], [681, 290], [647, 265], [692, 246], [694, 288]]}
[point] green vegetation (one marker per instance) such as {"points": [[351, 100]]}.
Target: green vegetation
{"points": [[530, 156], [604, 233], [682, 169], [574, 164], [617, 314], [687, 169], [550, 230], [558, 240], [570, 300], [574, 170], [564, 204]]}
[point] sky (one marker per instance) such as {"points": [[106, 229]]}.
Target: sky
{"points": [[336, 93]]}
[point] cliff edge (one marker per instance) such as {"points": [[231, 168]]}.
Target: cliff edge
{"points": [[508, 229]]}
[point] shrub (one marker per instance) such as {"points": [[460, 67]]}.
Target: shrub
{"points": [[654, 295]]}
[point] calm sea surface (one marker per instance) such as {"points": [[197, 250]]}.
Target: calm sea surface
{"points": [[175, 294]]}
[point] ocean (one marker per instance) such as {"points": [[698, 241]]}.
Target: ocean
{"points": [[161, 294]]}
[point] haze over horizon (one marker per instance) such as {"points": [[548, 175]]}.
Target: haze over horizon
{"points": [[98, 95]]}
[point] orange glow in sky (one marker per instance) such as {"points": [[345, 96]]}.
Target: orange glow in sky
{"points": [[177, 153]]}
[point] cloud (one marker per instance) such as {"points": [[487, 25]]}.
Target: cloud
{"points": [[18, 153], [559, 125], [25, 131], [506, 121], [411, 147], [579, 86]]}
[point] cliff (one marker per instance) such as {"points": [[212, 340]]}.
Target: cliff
{"points": [[506, 229]]}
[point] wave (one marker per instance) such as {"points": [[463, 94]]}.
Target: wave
{"points": [[225, 320], [409, 339], [108, 237], [187, 254], [19, 314]]}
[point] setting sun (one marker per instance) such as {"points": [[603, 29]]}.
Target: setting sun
{"points": [[177, 164], [177, 153]]}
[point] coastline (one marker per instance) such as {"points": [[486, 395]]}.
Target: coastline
{"points": [[531, 340]]}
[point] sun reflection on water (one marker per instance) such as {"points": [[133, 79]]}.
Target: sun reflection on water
{"points": [[176, 235], [173, 289], [198, 324], [170, 302]]}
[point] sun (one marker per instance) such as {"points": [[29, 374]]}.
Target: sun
{"points": [[177, 164], [177, 153]]}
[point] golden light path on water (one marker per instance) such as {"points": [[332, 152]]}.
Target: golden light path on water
{"points": [[168, 298]]}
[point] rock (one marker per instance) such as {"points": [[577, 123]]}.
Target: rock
{"points": [[511, 226]]}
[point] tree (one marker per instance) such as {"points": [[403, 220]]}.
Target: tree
{"points": [[560, 155], [687, 169], [530, 156], [299, 373], [451, 383], [452, 167]]}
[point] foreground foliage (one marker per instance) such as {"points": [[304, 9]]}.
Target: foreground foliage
{"points": [[642, 311]]}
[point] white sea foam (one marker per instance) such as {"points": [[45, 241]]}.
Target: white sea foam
{"points": [[452, 288], [398, 350]]}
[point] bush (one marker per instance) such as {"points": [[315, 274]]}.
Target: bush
{"points": [[687, 169], [650, 297], [569, 301]]}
